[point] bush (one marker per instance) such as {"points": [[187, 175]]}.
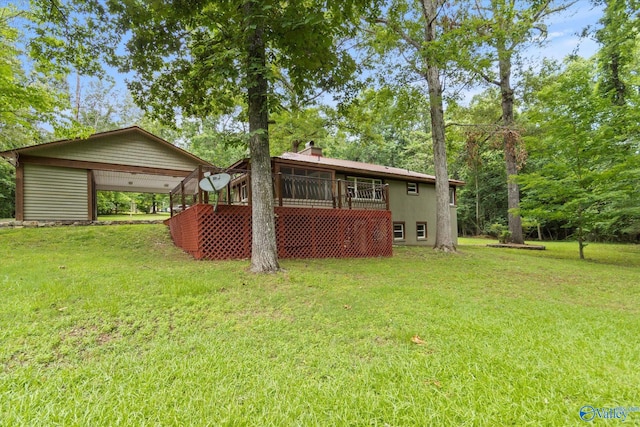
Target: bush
{"points": [[500, 232]]}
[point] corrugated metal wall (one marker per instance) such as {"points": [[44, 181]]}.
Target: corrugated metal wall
{"points": [[53, 193]]}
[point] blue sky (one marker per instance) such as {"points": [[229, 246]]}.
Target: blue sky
{"points": [[562, 38], [564, 29]]}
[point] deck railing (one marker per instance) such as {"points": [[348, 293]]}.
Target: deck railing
{"points": [[289, 190]]}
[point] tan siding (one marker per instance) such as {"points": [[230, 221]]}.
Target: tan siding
{"points": [[412, 209], [52, 193], [122, 150]]}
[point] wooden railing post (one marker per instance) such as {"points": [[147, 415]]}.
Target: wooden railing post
{"points": [[279, 188], [200, 196], [339, 194], [182, 198], [386, 195]]}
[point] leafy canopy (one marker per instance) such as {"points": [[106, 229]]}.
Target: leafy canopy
{"points": [[188, 57]]}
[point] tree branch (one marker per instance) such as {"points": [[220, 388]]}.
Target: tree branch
{"points": [[401, 33]]}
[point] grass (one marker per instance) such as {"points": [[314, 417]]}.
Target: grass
{"points": [[115, 326], [134, 217], [121, 217]]}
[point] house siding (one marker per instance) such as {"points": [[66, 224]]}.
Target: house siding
{"points": [[53, 193], [412, 209], [134, 150]]}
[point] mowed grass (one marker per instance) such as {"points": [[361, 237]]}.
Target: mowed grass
{"points": [[115, 326]]}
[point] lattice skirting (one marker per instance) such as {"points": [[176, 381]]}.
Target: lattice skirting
{"points": [[300, 232]]}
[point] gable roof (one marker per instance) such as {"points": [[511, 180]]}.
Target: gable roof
{"points": [[14, 153], [129, 159]]}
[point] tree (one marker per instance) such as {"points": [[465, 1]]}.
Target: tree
{"points": [[482, 203], [618, 37], [191, 59], [505, 27], [102, 107], [32, 102], [418, 31], [584, 178], [387, 126]]}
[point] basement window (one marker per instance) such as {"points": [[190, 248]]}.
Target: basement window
{"points": [[421, 230], [398, 231]]}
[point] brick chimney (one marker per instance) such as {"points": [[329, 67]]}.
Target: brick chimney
{"points": [[311, 150]]}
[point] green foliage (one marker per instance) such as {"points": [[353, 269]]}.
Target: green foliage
{"points": [[618, 37], [585, 177], [31, 94], [104, 108], [297, 127], [115, 326], [388, 126], [191, 60], [475, 133], [7, 190]]}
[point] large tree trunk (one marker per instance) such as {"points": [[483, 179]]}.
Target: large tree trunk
{"points": [[264, 252], [444, 240], [509, 143]]}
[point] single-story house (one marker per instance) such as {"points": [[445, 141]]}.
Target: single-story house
{"points": [[59, 180]]}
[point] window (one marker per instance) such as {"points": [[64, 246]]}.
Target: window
{"points": [[244, 194], [452, 196], [398, 231], [412, 188], [240, 190], [364, 188], [421, 230]]}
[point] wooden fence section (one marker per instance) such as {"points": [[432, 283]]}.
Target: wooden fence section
{"points": [[300, 232]]}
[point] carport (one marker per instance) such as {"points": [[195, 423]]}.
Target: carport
{"points": [[59, 180]]}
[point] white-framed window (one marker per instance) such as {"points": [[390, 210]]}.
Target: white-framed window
{"points": [[412, 188], [364, 188], [398, 231], [452, 196], [421, 230]]}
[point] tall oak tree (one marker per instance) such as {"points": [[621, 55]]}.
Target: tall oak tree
{"points": [[192, 57]]}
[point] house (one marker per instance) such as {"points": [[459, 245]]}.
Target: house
{"points": [[324, 207], [59, 180], [411, 195]]}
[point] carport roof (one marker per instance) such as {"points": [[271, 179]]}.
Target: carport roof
{"points": [[132, 176]]}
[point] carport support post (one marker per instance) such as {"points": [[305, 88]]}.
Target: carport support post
{"points": [[170, 203], [19, 192]]}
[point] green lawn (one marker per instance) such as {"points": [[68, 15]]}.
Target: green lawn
{"points": [[134, 217], [115, 326]]}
